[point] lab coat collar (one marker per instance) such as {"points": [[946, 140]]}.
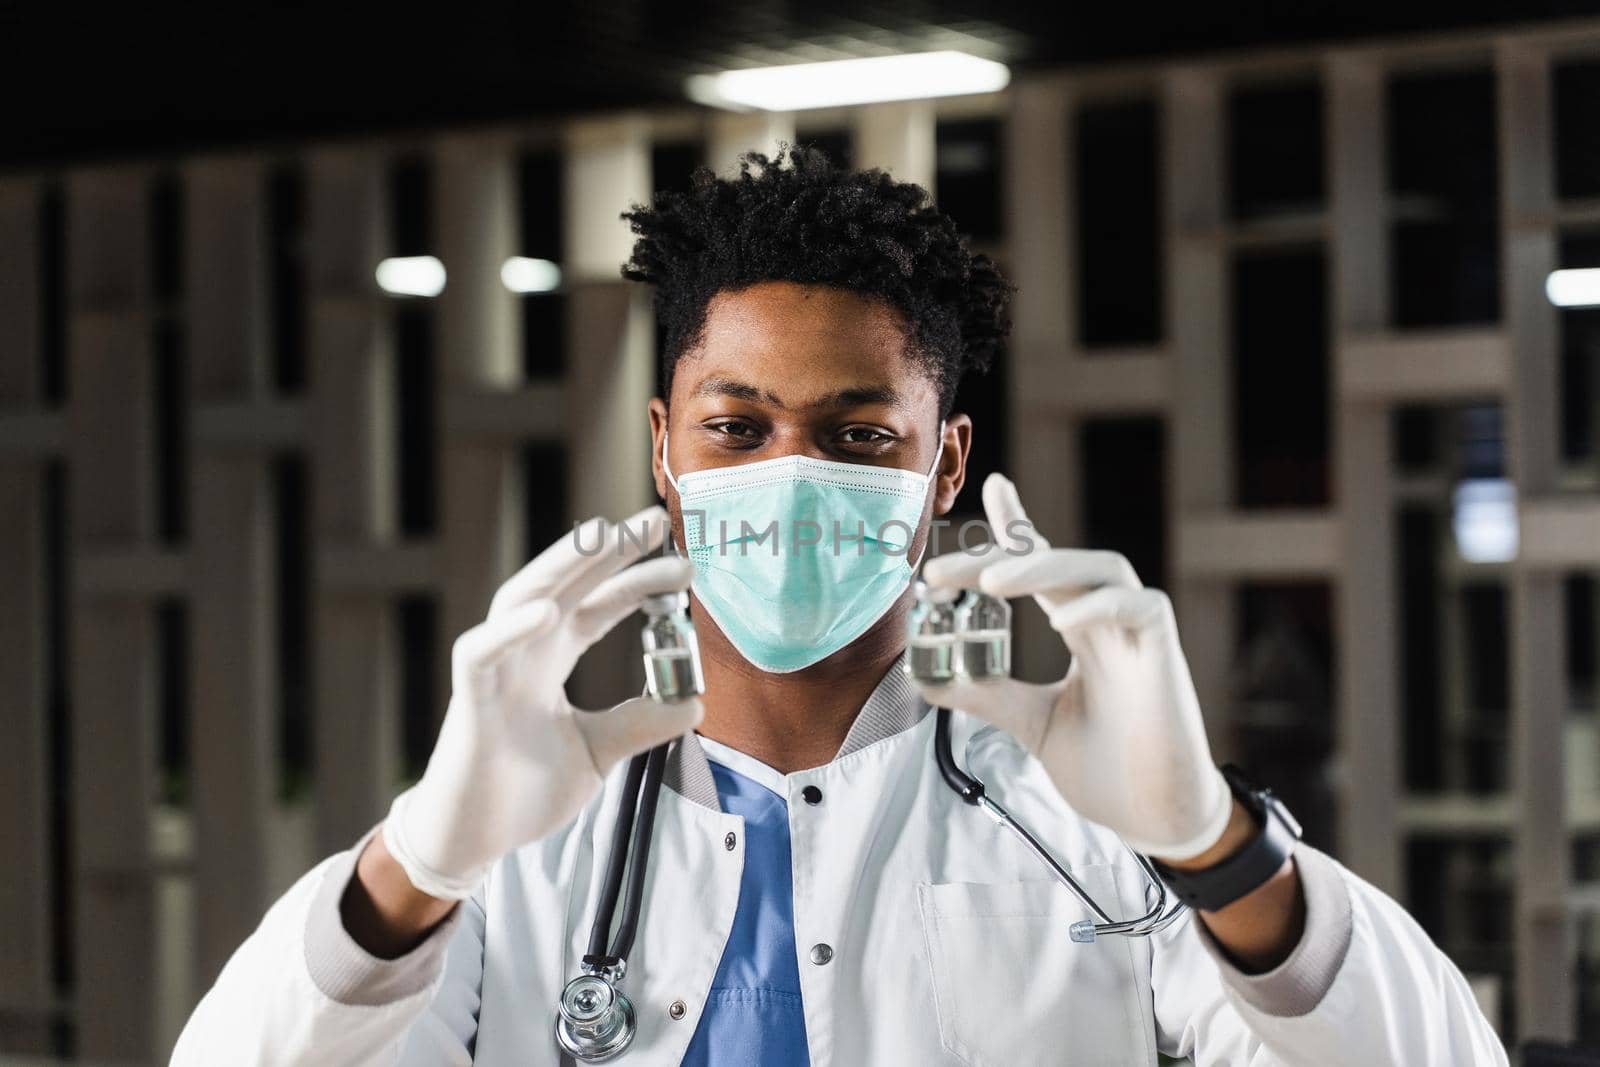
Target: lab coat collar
{"points": [[894, 705]]}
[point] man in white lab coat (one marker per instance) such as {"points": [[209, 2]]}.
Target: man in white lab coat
{"points": [[815, 892]]}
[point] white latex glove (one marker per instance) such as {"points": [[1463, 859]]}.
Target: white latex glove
{"points": [[1121, 735], [515, 760]]}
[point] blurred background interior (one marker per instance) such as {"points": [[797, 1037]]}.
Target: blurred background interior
{"points": [[309, 335]]}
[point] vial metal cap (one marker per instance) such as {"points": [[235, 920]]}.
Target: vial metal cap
{"points": [[934, 593], [665, 603]]}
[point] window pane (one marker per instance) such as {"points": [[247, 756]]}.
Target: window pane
{"points": [[169, 425], [1283, 701], [539, 185], [545, 498], [672, 162], [296, 694], [1124, 492], [1577, 116], [983, 396], [1280, 379], [1116, 153], [414, 426], [1275, 164], [543, 314], [286, 263], [544, 335], [1444, 182], [411, 207], [172, 702], [52, 294], [1459, 891], [166, 238], [418, 620], [967, 185], [1580, 359], [1451, 554]]}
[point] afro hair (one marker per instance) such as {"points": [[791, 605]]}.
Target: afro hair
{"points": [[816, 223]]}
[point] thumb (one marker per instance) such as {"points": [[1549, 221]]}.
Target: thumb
{"points": [[635, 726], [1019, 708]]}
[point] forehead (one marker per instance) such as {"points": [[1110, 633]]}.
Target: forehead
{"points": [[796, 338]]}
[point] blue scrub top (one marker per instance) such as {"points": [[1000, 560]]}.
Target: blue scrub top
{"points": [[754, 1015]]}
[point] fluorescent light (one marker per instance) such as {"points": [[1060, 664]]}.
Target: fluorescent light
{"points": [[1485, 520], [523, 275], [411, 276], [1573, 288], [841, 82]]}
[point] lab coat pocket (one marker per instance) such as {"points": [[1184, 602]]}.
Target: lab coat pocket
{"points": [[1011, 987]]}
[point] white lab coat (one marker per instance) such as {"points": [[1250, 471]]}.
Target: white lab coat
{"points": [[949, 946]]}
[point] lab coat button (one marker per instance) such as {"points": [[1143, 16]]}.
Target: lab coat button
{"points": [[812, 794], [677, 1009], [821, 953], [730, 841]]}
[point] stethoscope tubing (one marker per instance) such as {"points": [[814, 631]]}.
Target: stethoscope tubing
{"points": [[633, 830], [972, 791], [641, 788]]}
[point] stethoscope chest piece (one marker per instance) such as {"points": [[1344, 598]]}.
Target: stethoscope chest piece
{"points": [[596, 1020]]}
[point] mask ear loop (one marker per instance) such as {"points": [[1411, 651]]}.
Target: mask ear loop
{"points": [[667, 467], [938, 454], [672, 544]]}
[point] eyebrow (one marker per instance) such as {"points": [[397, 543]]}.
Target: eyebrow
{"points": [[860, 394]]}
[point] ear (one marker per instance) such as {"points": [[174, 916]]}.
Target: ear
{"points": [[951, 474], [658, 430]]}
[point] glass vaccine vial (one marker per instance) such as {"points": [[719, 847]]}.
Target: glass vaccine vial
{"points": [[931, 635], [671, 651], [983, 634]]}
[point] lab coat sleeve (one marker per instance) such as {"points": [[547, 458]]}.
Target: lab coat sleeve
{"points": [[299, 990], [1364, 986]]}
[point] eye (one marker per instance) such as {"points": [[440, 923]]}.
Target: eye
{"points": [[863, 435], [733, 429]]}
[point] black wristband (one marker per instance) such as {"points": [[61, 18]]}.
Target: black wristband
{"points": [[1247, 869]]}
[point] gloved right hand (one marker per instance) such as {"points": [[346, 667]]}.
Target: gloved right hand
{"points": [[515, 760]]}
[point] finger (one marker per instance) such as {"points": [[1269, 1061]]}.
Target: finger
{"points": [[626, 543], [1130, 609], [1057, 574], [620, 595], [1012, 529], [960, 570], [1019, 708], [635, 726], [1011, 534], [591, 546], [477, 649]]}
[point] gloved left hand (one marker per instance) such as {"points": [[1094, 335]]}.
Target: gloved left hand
{"points": [[1121, 734]]}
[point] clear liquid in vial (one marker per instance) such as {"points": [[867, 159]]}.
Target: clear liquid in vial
{"points": [[986, 653], [672, 674], [932, 658]]}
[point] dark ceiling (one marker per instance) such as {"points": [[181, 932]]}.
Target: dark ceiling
{"points": [[81, 82]]}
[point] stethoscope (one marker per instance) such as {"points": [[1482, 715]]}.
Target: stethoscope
{"points": [[596, 1020]]}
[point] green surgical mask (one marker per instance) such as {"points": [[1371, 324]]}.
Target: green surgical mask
{"points": [[797, 557]]}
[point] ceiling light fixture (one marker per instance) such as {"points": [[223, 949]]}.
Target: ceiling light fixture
{"points": [[522, 274], [1573, 288], [1485, 520], [843, 82], [411, 276]]}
